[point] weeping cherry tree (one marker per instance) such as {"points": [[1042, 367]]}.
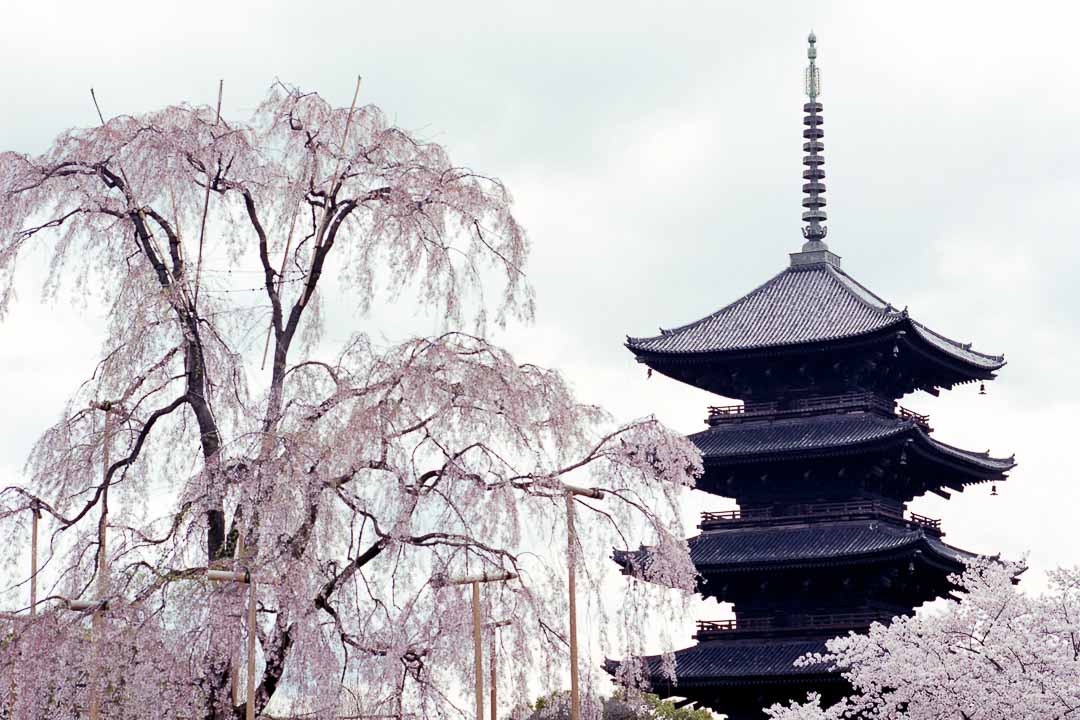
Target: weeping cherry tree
{"points": [[214, 433]]}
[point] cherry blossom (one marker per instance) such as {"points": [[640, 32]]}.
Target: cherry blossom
{"points": [[996, 652], [342, 478]]}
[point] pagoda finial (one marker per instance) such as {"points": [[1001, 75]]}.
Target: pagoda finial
{"points": [[813, 215]]}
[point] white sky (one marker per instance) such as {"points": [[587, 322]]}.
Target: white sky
{"points": [[654, 152]]}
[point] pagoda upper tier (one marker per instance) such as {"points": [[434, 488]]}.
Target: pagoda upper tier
{"points": [[811, 330], [833, 448]]}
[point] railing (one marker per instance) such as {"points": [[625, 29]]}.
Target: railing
{"points": [[712, 520], [724, 625], [845, 620], [719, 414], [928, 523], [912, 415], [833, 621], [875, 507]]}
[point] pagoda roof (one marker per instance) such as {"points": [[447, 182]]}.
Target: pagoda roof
{"points": [[719, 662], [730, 550], [832, 434], [805, 304], [841, 543]]}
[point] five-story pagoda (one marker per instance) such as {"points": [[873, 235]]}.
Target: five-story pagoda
{"points": [[821, 461]]}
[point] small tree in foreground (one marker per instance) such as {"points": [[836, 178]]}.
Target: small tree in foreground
{"points": [[997, 653], [219, 430]]}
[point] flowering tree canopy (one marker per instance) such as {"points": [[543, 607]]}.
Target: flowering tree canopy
{"points": [[217, 434], [997, 653]]}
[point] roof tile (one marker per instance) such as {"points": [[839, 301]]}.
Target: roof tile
{"points": [[802, 304], [817, 433], [759, 546], [717, 660]]}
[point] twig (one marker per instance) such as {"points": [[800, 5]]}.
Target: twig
{"points": [[97, 107]]}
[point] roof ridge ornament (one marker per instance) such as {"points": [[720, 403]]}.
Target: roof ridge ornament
{"points": [[814, 250]]}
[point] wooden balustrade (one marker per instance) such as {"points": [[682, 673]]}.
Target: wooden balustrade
{"points": [[815, 511], [831, 621], [719, 414], [930, 523]]}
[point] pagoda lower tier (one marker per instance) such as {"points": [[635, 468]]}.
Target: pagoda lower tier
{"points": [[819, 563], [739, 677], [796, 581]]}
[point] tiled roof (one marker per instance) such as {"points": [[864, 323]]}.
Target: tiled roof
{"points": [[749, 548], [983, 459], [821, 433], [948, 551], [764, 546], [797, 434], [803, 304], [961, 350], [714, 662]]}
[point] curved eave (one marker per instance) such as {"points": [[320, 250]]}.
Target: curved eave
{"points": [[716, 663], [957, 356], [926, 550], [929, 346], [977, 467], [982, 467], [878, 542], [804, 307], [649, 356]]}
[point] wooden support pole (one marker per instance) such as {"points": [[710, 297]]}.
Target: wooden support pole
{"points": [[97, 623], [494, 679], [483, 577], [575, 699], [439, 581], [85, 605], [571, 562], [250, 714], [494, 675], [227, 575], [35, 518], [478, 650], [234, 672]]}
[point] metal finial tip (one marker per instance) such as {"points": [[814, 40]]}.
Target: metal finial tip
{"points": [[813, 38]]}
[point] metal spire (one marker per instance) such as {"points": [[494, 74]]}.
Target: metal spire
{"points": [[813, 215]]}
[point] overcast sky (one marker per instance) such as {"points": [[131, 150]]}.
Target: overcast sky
{"points": [[654, 154]]}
